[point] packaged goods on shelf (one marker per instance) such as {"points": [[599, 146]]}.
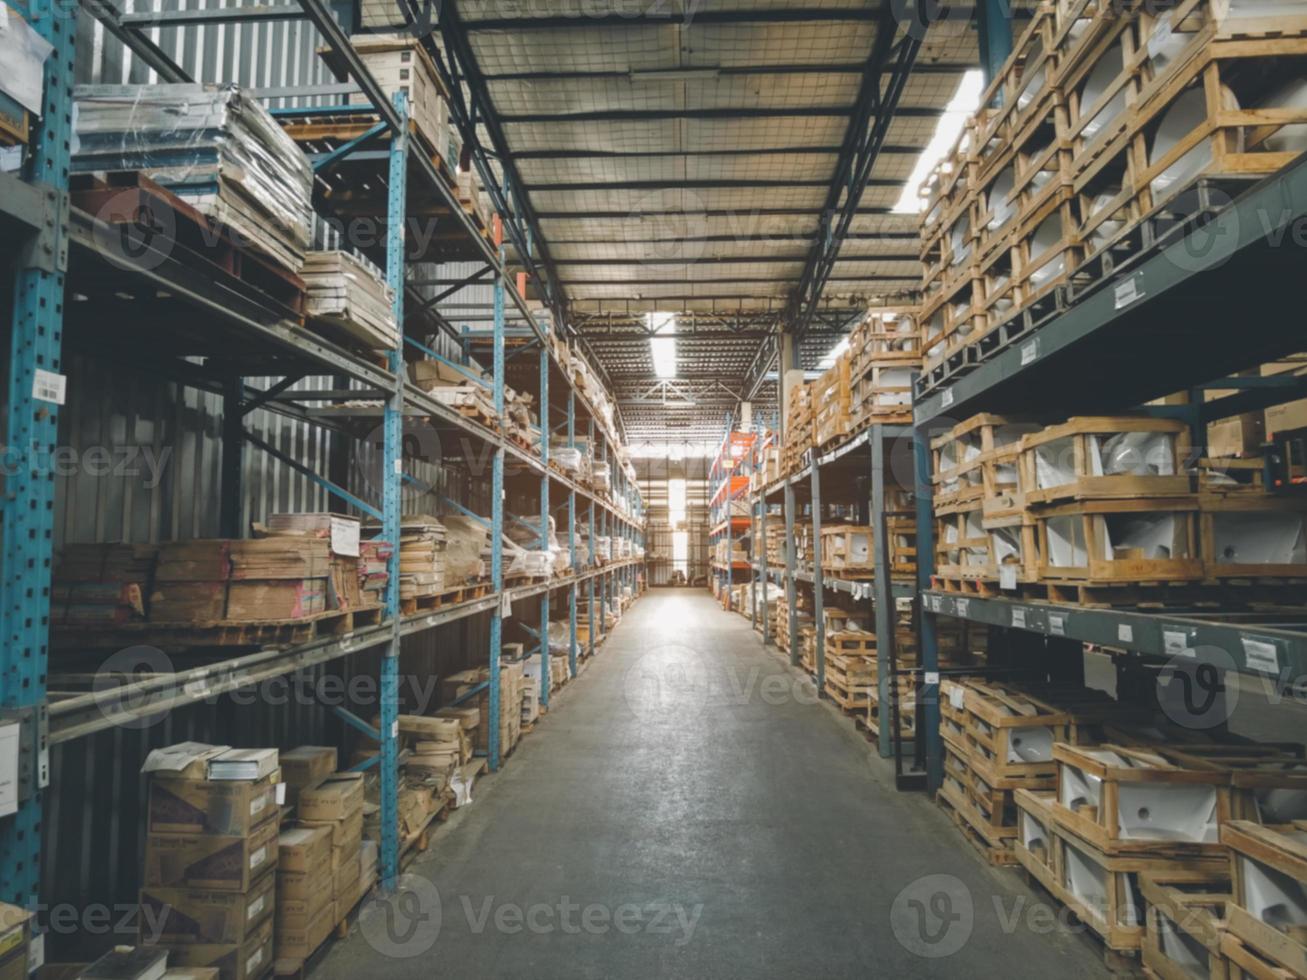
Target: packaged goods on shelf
{"points": [[24, 53], [399, 63], [603, 548], [349, 295], [510, 699], [213, 146], [432, 375], [374, 569], [601, 477], [101, 584], [423, 544], [569, 458], [15, 941], [211, 855], [465, 539], [304, 767], [1268, 908], [343, 535]]}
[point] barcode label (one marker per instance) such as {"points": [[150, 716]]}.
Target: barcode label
{"points": [[1019, 618], [1029, 352], [1261, 655], [1124, 633], [49, 387], [947, 399], [1057, 625], [1175, 643], [1127, 292]]}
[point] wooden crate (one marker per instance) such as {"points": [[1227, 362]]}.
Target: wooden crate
{"points": [[849, 680], [399, 62], [1245, 963], [1184, 921], [882, 394], [1094, 458], [831, 400], [951, 317], [1033, 845], [1253, 535], [1020, 86], [961, 544], [1103, 889], [886, 335], [1129, 799], [1269, 870], [986, 811], [1072, 542]]}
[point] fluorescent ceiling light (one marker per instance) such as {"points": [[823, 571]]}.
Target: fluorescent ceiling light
{"points": [[663, 345], [675, 74], [965, 102]]}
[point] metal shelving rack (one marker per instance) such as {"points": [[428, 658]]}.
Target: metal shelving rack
{"points": [[1157, 323], [854, 474], [728, 481], [45, 230]]}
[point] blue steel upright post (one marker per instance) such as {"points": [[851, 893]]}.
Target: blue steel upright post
{"points": [[544, 514], [818, 582], [36, 342], [392, 436], [497, 511], [594, 555]]}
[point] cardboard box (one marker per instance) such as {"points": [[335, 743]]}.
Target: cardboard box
{"points": [[197, 806], [246, 961], [339, 796], [187, 915], [303, 889], [299, 942], [185, 760], [1292, 415], [15, 938], [210, 861], [1239, 436], [346, 852], [436, 729], [341, 832], [345, 881], [299, 913], [306, 766], [303, 848]]}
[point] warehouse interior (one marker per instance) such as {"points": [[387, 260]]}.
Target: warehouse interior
{"points": [[770, 487]]}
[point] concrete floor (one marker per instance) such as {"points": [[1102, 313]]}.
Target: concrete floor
{"points": [[688, 809]]}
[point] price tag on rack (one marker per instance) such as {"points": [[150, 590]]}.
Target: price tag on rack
{"points": [[1029, 352], [1261, 655], [1057, 625], [1129, 291], [1007, 577], [946, 399], [1019, 618], [964, 607], [1175, 643]]}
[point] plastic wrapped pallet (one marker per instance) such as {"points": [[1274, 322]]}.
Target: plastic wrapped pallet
{"points": [[465, 537], [211, 145], [348, 295], [23, 52]]}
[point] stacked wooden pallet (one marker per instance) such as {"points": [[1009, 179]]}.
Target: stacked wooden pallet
{"points": [[852, 660], [1121, 811], [1103, 510], [1266, 915], [799, 429], [884, 352], [1104, 131], [848, 550], [998, 739], [832, 397]]}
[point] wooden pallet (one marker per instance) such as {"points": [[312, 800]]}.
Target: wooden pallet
{"points": [[996, 851], [414, 605], [128, 198]]}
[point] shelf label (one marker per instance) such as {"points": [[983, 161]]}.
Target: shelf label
{"points": [[1057, 625], [946, 399], [964, 607], [197, 688], [936, 603], [1019, 618], [932, 677], [49, 387], [1128, 292], [1029, 352], [1175, 643], [1125, 633], [1007, 577], [1261, 655]]}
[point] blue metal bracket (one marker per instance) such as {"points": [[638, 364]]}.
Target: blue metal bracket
{"points": [[460, 368], [313, 475], [470, 693], [355, 722], [326, 161], [465, 512]]}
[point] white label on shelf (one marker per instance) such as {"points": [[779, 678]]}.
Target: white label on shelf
{"points": [[506, 606], [36, 947], [1124, 633], [281, 794], [964, 606], [1175, 643], [1007, 577], [345, 537], [10, 747], [1019, 618], [936, 603], [957, 696], [1029, 352], [197, 689], [49, 387], [394, 728], [1127, 292], [946, 399], [1057, 625], [399, 467], [1261, 655], [932, 677]]}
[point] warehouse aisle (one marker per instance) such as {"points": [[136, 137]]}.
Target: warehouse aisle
{"points": [[690, 811]]}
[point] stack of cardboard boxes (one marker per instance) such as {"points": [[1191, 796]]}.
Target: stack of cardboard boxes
{"points": [[210, 858]]}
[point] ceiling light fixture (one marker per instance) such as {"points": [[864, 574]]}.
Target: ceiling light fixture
{"points": [[662, 346]]}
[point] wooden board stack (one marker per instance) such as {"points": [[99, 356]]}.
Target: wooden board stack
{"points": [[799, 428], [399, 62], [101, 584], [1104, 131], [213, 146], [884, 352], [348, 298]]}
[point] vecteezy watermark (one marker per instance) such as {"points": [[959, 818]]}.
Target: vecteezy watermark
{"points": [[672, 678], [145, 678], [127, 920], [933, 916], [117, 462], [408, 921], [1191, 687]]}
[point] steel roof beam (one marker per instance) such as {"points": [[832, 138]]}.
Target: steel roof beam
{"points": [[847, 68], [729, 112], [889, 63], [727, 259], [728, 280], [737, 213], [663, 14]]}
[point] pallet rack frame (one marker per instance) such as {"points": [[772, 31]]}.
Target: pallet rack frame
{"points": [[36, 209], [1208, 273]]}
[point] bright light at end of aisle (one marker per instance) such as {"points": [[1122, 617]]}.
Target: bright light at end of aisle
{"points": [[966, 100], [663, 346]]}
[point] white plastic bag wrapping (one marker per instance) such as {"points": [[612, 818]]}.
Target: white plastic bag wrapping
{"points": [[213, 146], [23, 53]]}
